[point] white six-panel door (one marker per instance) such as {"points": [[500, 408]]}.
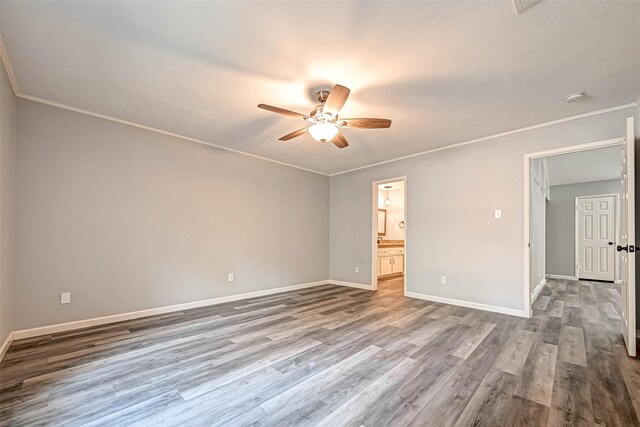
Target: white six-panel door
{"points": [[596, 237]]}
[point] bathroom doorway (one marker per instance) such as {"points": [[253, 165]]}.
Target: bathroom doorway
{"points": [[389, 203]]}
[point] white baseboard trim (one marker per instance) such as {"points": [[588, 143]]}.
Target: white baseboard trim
{"points": [[561, 277], [537, 290], [468, 304], [5, 345], [351, 284], [80, 324]]}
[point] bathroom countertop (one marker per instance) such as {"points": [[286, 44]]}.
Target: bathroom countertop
{"points": [[391, 244]]}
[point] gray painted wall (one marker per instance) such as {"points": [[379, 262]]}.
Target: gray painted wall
{"points": [[561, 215], [7, 206], [126, 219], [450, 226]]}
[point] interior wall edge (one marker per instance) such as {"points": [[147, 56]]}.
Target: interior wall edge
{"points": [[5, 345], [8, 67], [351, 284], [8, 138]]}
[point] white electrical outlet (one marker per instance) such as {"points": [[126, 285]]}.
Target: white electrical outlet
{"points": [[498, 213], [65, 298], [357, 270], [443, 280], [230, 277]]}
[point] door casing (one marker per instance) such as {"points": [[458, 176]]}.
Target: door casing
{"points": [[374, 229], [527, 194]]}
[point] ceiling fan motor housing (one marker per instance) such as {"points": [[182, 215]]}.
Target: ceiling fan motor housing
{"points": [[316, 112], [322, 95], [317, 115]]}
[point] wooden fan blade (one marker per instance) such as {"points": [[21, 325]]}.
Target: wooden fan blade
{"points": [[293, 134], [336, 99], [281, 111], [340, 141], [365, 123]]}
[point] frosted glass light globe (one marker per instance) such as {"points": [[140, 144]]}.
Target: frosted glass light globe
{"points": [[323, 132]]}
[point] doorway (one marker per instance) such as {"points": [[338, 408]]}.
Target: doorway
{"points": [[389, 201], [570, 216]]}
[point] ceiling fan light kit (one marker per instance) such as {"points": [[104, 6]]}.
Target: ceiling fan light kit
{"points": [[325, 124], [323, 132]]}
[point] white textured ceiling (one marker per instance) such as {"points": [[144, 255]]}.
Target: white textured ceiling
{"points": [[444, 72], [585, 166]]}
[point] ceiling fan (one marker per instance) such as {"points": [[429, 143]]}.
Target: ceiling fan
{"points": [[325, 123]]}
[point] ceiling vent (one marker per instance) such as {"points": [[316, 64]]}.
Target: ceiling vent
{"points": [[521, 5]]}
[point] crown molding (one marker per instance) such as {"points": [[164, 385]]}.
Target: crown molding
{"points": [[8, 67], [497, 135], [396, 159]]}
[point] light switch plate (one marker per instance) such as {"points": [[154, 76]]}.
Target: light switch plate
{"points": [[230, 277], [498, 213], [65, 298], [357, 270]]}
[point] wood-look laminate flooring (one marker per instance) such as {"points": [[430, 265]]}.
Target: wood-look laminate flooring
{"points": [[335, 356]]}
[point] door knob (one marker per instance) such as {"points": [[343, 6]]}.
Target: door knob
{"points": [[628, 248], [610, 243]]}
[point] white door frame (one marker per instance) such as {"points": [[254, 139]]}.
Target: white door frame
{"points": [[616, 232], [374, 229], [527, 215]]}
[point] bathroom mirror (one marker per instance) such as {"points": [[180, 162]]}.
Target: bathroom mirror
{"points": [[382, 222]]}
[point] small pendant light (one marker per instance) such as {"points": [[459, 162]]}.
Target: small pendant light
{"points": [[388, 201]]}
